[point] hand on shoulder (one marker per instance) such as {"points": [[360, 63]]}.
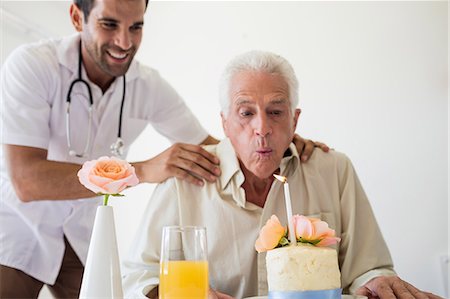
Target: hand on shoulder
{"points": [[305, 147]]}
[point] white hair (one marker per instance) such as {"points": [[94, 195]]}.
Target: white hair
{"points": [[259, 61]]}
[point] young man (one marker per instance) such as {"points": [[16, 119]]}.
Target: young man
{"points": [[46, 215]]}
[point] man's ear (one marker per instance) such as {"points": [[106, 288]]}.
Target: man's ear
{"points": [[76, 15], [296, 116], [224, 123]]}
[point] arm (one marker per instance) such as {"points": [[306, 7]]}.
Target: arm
{"points": [[36, 178], [363, 253], [28, 80]]}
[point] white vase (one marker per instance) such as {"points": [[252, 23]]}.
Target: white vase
{"points": [[101, 278]]}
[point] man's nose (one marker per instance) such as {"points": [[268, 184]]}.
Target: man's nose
{"points": [[123, 39], [262, 126]]}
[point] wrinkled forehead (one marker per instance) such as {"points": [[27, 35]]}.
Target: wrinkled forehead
{"points": [[258, 84]]}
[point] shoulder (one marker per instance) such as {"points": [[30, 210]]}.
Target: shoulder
{"points": [[34, 57], [145, 74], [44, 49], [327, 161], [148, 82]]}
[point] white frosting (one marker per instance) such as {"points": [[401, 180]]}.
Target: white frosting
{"points": [[302, 267]]}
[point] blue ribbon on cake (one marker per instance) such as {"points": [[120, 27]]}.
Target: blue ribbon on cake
{"points": [[322, 294]]}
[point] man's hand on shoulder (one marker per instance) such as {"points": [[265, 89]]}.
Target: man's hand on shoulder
{"points": [[184, 161], [305, 147], [391, 287]]}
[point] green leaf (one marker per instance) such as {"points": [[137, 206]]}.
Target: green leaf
{"points": [[117, 195], [312, 242], [283, 242]]}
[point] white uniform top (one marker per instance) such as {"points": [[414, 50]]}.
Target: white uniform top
{"points": [[34, 83]]}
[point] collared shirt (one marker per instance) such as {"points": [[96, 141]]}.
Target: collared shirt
{"points": [[34, 84], [325, 187]]}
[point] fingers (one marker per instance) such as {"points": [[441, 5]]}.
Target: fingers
{"points": [[223, 296], [432, 296], [387, 287], [184, 175], [307, 150], [212, 294], [322, 146], [363, 291], [420, 294], [200, 150], [200, 164], [415, 292], [306, 147], [386, 292], [399, 288], [192, 163]]}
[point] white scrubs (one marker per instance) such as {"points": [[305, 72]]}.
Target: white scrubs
{"points": [[34, 83]]}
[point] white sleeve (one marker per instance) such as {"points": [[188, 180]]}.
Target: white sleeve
{"points": [[172, 117], [141, 266], [25, 88]]}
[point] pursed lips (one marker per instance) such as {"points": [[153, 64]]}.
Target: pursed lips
{"points": [[265, 152]]}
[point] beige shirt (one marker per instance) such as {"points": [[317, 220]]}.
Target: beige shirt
{"points": [[325, 187]]}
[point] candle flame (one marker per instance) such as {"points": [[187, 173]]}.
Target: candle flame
{"points": [[281, 178]]}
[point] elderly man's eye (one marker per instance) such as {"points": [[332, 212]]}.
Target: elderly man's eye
{"points": [[276, 112], [246, 113]]}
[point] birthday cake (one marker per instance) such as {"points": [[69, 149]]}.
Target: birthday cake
{"points": [[306, 269]]}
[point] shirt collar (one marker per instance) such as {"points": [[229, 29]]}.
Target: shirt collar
{"points": [[229, 163], [67, 53], [290, 161]]}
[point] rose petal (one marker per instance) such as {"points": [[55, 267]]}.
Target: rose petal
{"points": [[303, 228], [107, 175], [270, 235]]}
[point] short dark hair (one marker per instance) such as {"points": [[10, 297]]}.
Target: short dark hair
{"points": [[86, 6]]}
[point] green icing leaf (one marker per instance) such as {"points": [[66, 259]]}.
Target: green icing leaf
{"points": [[312, 242]]}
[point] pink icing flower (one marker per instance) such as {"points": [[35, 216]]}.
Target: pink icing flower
{"points": [[108, 176], [313, 231], [270, 235]]}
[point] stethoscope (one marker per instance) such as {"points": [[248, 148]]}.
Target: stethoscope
{"points": [[118, 146]]}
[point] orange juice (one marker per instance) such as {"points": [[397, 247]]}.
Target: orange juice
{"points": [[183, 279]]}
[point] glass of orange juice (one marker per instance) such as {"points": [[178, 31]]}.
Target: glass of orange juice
{"points": [[184, 266]]}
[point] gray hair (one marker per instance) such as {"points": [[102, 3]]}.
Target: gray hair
{"points": [[257, 61]]}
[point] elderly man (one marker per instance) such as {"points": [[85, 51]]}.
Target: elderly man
{"points": [[258, 99]]}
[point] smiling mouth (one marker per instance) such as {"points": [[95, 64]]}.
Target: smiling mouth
{"points": [[118, 56]]}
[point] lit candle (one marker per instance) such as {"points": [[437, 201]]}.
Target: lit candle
{"points": [[287, 200]]}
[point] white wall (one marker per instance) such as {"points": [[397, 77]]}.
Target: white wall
{"points": [[374, 84]]}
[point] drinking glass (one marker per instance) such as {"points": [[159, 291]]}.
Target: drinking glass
{"points": [[183, 267]]}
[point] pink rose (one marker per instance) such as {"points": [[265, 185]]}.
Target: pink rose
{"points": [[314, 231], [270, 235], [107, 175]]}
